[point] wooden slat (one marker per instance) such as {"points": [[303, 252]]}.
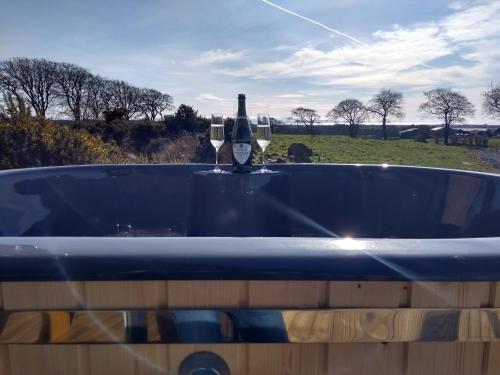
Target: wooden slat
{"points": [[207, 294], [4, 360], [42, 295], [368, 294], [293, 359], [126, 294], [344, 325], [60, 323], [367, 358], [447, 358], [114, 359], [129, 360], [287, 359], [491, 364], [150, 360], [287, 294], [4, 350], [53, 360], [24, 327], [99, 327], [451, 294]]}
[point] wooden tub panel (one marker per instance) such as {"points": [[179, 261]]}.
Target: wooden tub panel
{"points": [[126, 294], [53, 360], [203, 294], [128, 359], [43, 295], [287, 359], [4, 361], [288, 294], [492, 349], [4, 350], [367, 358], [246, 359], [447, 358]]}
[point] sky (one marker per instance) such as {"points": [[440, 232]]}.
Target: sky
{"points": [[281, 53]]}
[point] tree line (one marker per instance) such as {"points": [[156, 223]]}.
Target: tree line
{"points": [[444, 104], [75, 92]]}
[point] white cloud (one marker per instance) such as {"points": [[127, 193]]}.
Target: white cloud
{"points": [[399, 50], [209, 97], [456, 5], [402, 56], [218, 56], [474, 23], [290, 96]]}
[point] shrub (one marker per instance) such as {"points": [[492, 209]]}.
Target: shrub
{"points": [[114, 114], [112, 132], [36, 142], [141, 134], [181, 150]]}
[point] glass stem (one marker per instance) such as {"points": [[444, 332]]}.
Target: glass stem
{"points": [[216, 158], [263, 159]]}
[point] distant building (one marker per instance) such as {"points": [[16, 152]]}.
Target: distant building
{"points": [[408, 133], [438, 132]]}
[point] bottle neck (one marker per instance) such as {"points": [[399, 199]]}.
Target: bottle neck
{"points": [[242, 112]]}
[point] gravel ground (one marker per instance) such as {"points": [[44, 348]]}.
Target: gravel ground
{"points": [[489, 156]]}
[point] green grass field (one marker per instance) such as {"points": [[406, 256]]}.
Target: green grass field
{"points": [[494, 142], [339, 149]]}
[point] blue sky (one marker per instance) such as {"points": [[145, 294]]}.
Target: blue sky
{"points": [[205, 52]]}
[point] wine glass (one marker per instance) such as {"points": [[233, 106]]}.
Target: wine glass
{"points": [[263, 137], [217, 137]]}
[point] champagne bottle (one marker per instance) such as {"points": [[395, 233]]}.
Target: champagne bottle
{"points": [[242, 139]]}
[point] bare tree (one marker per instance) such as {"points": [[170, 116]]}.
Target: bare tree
{"points": [[107, 94], [152, 103], [307, 117], [491, 101], [72, 84], [44, 84], [96, 99], [8, 85], [352, 111], [449, 106], [387, 104], [34, 79], [124, 96]]}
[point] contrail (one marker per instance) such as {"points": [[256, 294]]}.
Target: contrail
{"points": [[315, 23], [328, 28]]}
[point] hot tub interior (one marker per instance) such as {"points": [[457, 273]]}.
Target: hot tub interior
{"points": [[298, 200]]}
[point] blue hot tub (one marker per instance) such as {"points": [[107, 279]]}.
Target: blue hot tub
{"points": [[303, 221], [312, 269]]}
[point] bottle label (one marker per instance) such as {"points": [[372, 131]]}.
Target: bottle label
{"points": [[241, 152]]}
